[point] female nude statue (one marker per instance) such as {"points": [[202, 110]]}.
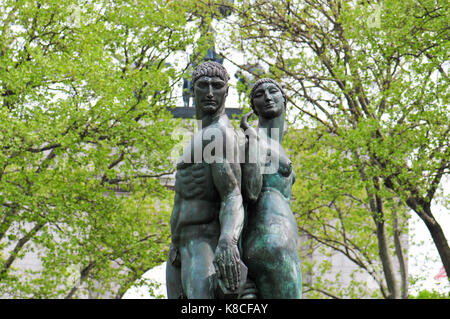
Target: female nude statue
{"points": [[270, 236]]}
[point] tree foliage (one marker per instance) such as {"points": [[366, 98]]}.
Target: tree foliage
{"points": [[373, 75], [433, 294], [84, 134], [333, 211]]}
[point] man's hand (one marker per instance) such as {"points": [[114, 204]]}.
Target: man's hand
{"points": [[226, 263]]}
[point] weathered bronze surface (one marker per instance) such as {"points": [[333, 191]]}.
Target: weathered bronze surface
{"points": [[270, 235], [208, 214], [215, 240]]}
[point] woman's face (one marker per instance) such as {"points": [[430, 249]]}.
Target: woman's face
{"points": [[268, 100]]}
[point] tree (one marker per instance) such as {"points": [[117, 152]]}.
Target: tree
{"points": [[332, 209], [374, 75], [84, 135]]}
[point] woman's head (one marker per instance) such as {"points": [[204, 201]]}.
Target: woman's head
{"points": [[267, 98]]}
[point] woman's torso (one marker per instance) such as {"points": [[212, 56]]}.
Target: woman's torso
{"points": [[272, 209]]}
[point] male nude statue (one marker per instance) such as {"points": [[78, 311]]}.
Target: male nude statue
{"points": [[208, 214]]}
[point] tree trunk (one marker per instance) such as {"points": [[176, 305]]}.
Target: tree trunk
{"points": [[376, 206], [441, 244], [377, 211], [423, 210], [400, 257], [439, 239], [386, 261]]}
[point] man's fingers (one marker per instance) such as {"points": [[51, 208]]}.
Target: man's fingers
{"points": [[221, 269], [238, 273], [225, 275], [230, 272], [216, 268], [235, 274]]}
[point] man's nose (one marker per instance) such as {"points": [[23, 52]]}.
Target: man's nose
{"points": [[210, 92], [267, 96]]}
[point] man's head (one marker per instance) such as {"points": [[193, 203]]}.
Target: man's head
{"points": [[210, 87]]}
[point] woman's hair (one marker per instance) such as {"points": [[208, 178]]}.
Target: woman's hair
{"points": [[257, 84]]}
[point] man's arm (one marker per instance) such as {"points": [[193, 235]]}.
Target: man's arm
{"points": [[226, 176], [231, 208], [231, 218]]}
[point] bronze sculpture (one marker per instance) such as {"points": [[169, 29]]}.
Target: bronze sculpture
{"points": [[207, 223], [207, 216], [270, 235]]}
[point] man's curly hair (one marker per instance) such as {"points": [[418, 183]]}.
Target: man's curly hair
{"points": [[258, 83], [210, 68]]}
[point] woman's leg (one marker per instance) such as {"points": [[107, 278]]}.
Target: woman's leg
{"points": [[274, 265]]}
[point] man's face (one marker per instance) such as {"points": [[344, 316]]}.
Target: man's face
{"points": [[210, 94]]}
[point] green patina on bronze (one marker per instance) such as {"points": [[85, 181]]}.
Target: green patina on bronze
{"points": [[215, 240], [208, 213], [270, 235]]}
